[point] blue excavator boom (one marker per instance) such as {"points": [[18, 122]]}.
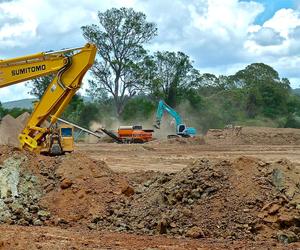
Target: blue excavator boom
{"points": [[181, 128]]}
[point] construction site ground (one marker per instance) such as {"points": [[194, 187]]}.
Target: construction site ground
{"points": [[173, 157], [227, 192]]}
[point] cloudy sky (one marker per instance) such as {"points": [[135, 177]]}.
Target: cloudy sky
{"points": [[221, 36]]}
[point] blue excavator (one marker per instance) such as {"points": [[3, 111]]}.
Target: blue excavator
{"points": [[181, 129]]}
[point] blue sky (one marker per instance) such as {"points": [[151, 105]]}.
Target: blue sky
{"points": [[221, 36], [271, 7]]}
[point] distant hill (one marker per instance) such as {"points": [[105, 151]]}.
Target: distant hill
{"points": [[296, 91], [28, 103], [24, 104]]}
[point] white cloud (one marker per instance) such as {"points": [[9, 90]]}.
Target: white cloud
{"points": [[267, 37], [284, 21], [15, 92], [219, 35]]}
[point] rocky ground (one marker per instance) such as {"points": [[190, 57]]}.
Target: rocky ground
{"points": [[177, 194], [242, 199]]}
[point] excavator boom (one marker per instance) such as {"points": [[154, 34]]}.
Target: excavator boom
{"points": [[68, 66], [181, 128]]}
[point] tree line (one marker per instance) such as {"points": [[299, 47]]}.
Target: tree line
{"points": [[128, 81]]}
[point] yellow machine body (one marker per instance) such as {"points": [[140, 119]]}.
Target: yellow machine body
{"points": [[69, 67]]}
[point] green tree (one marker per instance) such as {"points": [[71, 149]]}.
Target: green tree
{"points": [[90, 112], [2, 111], [139, 108], [169, 75], [39, 85], [120, 38], [265, 92], [73, 111]]}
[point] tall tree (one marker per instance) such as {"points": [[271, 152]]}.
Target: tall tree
{"points": [[169, 75], [2, 111], [39, 85], [265, 91], [119, 38]]}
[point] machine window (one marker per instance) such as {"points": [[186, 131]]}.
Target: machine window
{"points": [[66, 132]]}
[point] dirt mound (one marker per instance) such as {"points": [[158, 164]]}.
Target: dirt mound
{"points": [[253, 135], [241, 199], [10, 129], [65, 190], [20, 189], [85, 187], [23, 118]]}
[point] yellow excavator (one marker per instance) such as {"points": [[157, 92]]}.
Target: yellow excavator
{"points": [[69, 67]]}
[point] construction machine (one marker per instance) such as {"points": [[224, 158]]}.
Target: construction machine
{"points": [[68, 67], [181, 129], [125, 134], [134, 134]]}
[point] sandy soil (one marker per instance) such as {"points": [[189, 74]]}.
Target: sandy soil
{"points": [[85, 180], [17, 237], [174, 157]]}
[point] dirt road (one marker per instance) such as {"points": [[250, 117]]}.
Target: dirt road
{"points": [[17, 237], [174, 157]]}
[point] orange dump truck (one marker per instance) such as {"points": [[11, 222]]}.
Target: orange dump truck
{"points": [[135, 134]]}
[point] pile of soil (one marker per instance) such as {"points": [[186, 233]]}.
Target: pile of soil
{"points": [[10, 129], [23, 118], [20, 190], [245, 198], [84, 189], [253, 135], [242, 199], [66, 190]]}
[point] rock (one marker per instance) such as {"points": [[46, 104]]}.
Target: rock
{"points": [[140, 225], [96, 219], [34, 208], [195, 232], [274, 208], [139, 189], [8, 200], [128, 191], [162, 226], [287, 237], [16, 208], [286, 220], [37, 222], [66, 183], [190, 201], [278, 179], [44, 215], [27, 216], [196, 193], [92, 226], [173, 224], [271, 219], [23, 222], [6, 218], [148, 183]]}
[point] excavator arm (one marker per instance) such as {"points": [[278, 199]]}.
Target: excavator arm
{"points": [[181, 128], [69, 72], [161, 108]]}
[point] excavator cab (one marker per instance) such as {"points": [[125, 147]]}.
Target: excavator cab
{"points": [[67, 138], [181, 128], [59, 140]]}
